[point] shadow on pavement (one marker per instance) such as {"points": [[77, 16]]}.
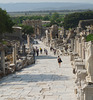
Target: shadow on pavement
{"points": [[45, 57], [33, 78]]}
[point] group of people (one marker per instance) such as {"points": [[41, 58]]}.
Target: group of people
{"points": [[36, 51]]}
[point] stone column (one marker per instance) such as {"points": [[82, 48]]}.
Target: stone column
{"points": [[3, 60], [78, 41], [80, 50], [28, 41], [76, 45], [72, 44], [83, 48], [23, 49], [14, 54], [30, 48], [86, 46]]}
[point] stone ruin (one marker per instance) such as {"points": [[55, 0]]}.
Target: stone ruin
{"points": [[73, 42], [36, 24], [14, 56], [16, 34], [82, 61]]}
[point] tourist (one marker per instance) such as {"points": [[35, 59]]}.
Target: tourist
{"points": [[41, 50], [46, 52], [51, 48], [34, 54], [59, 61], [34, 51], [37, 51]]}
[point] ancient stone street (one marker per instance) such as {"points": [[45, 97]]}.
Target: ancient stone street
{"points": [[43, 80]]}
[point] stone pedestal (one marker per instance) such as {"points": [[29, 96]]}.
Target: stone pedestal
{"points": [[88, 92]]}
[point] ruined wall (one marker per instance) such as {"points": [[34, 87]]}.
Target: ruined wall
{"points": [[36, 24], [84, 23]]}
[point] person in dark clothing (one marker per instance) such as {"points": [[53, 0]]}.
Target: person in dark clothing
{"points": [[34, 54], [34, 51], [37, 51], [59, 61], [41, 50], [51, 48], [46, 52]]}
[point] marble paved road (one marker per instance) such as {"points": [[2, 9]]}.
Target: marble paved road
{"points": [[41, 81]]}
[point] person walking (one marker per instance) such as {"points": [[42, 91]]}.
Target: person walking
{"points": [[34, 54], [59, 61], [41, 50], [46, 52], [37, 51]]}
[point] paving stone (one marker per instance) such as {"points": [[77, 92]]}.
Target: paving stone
{"points": [[42, 81]]}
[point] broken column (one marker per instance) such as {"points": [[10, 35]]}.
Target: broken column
{"points": [[83, 47], [76, 45], [3, 60], [23, 49], [78, 41], [14, 54], [28, 41], [80, 50], [72, 44]]}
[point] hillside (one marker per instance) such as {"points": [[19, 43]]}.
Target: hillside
{"points": [[13, 7]]}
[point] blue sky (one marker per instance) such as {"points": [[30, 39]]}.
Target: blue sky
{"points": [[17, 1]]}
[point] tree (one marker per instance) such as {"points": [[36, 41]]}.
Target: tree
{"points": [[5, 22], [27, 29], [89, 37], [72, 20], [55, 16], [46, 18]]}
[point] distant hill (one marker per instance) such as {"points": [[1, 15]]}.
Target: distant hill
{"points": [[13, 7]]}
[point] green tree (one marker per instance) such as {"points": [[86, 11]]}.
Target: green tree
{"points": [[89, 37], [46, 18], [27, 29], [5, 22], [72, 20], [55, 16]]}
